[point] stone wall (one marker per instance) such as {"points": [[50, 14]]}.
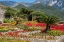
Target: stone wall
{"points": [[2, 11]]}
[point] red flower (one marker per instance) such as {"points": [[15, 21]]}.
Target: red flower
{"points": [[1, 34]]}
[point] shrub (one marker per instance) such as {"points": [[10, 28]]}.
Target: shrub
{"points": [[26, 27], [55, 32], [12, 20], [6, 20]]}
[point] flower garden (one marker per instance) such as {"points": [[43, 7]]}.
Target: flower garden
{"points": [[29, 31], [30, 26]]}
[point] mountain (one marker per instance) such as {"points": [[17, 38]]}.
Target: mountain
{"points": [[59, 4], [42, 1], [2, 6], [19, 6], [50, 7], [56, 3], [26, 4], [9, 3], [48, 10]]}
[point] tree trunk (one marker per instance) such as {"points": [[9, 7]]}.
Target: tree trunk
{"points": [[47, 28]]}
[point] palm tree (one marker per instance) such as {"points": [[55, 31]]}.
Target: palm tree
{"points": [[49, 20]]}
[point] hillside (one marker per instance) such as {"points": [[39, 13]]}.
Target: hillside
{"points": [[59, 4], [20, 6], [44, 8], [48, 10], [9, 3], [2, 6]]}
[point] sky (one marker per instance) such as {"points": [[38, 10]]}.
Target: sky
{"points": [[30, 1]]}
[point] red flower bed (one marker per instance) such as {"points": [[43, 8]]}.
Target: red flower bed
{"points": [[29, 24], [37, 24], [40, 24], [58, 27], [53, 27]]}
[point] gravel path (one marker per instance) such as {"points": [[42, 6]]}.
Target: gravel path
{"points": [[61, 39]]}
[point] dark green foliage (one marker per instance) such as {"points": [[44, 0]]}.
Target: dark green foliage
{"points": [[36, 15], [10, 12], [24, 13], [46, 9], [49, 20]]}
